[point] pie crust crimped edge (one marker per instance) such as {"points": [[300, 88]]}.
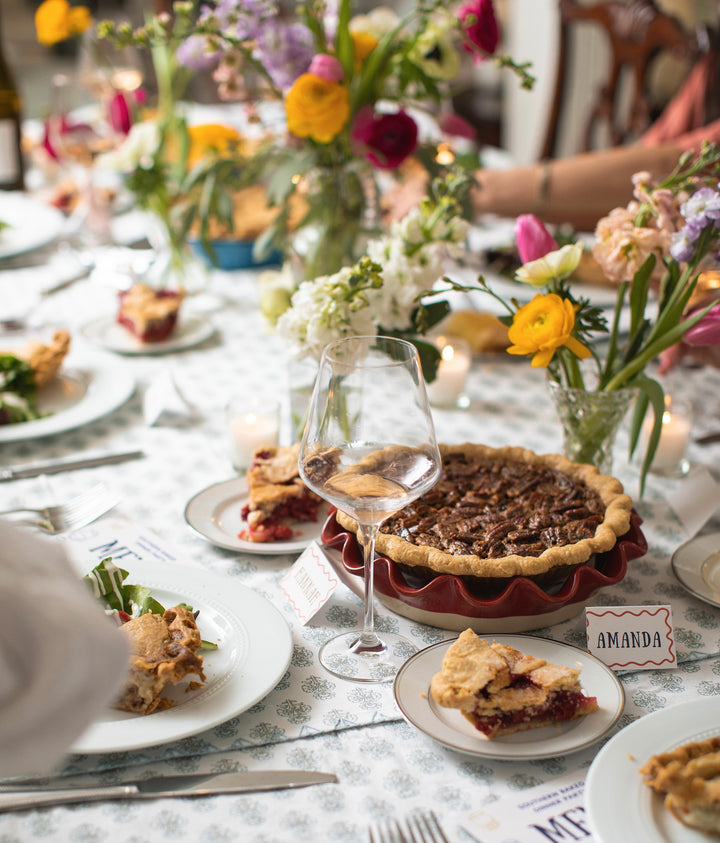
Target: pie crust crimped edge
{"points": [[618, 508]]}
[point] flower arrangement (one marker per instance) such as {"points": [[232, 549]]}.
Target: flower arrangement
{"points": [[346, 82], [662, 241], [389, 291], [57, 21]]}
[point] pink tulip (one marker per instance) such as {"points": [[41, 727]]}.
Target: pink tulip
{"points": [[454, 124], [707, 330], [327, 67], [119, 113], [533, 239]]}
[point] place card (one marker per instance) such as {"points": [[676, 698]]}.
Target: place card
{"points": [[695, 499], [550, 811], [120, 539], [309, 583], [631, 637]]}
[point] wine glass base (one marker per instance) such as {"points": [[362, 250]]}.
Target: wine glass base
{"points": [[346, 657]]}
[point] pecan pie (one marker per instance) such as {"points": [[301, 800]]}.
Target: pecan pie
{"points": [[150, 315], [164, 649], [501, 690], [689, 776], [505, 512], [277, 497]]}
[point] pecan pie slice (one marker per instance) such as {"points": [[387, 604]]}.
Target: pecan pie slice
{"points": [[501, 690], [498, 513], [277, 497], [164, 649], [689, 777], [150, 315]]}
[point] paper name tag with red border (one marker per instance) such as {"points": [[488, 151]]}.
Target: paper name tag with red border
{"points": [[309, 583], [631, 637]]}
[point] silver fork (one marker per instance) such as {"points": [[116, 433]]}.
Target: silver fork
{"points": [[81, 510], [420, 827]]}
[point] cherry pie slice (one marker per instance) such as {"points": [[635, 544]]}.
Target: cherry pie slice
{"points": [[689, 777], [501, 690], [277, 497], [150, 315]]}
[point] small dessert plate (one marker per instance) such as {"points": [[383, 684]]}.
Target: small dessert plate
{"points": [[189, 332], [696, 565], [452, 730], [214, 513]]}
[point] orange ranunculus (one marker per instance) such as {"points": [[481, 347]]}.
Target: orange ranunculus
{"points": [[364, 44], [542, 326], [56, 20], [211, 138], [316, 108]]}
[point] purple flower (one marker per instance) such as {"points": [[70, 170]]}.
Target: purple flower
{"points": [[707, 330], [285, 50], [197, 52], [682, 245], [240, 18], [702, 207], [533, 240]]}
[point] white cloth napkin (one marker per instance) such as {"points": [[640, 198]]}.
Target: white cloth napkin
{"points": [[61, 659]]}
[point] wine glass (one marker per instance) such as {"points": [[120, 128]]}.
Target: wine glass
{"points": [[369, 448]]}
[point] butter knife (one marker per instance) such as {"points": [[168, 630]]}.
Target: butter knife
{"points": [[20, 472], [192, 784]]}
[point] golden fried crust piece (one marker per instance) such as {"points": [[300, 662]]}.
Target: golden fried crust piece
{"points": [[501, 690], [689, 776], [164, 649], [484, 491], [45, 359]]}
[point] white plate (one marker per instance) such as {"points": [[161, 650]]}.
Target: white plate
{"points": [[620, 807], [215, 514], [696, 564], [451, 729], [189, 331], [255, 646], [31, 224], [87, 388]]}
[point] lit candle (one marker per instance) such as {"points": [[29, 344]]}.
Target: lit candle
{"points": [[448, 387], [670, 458], [249, 429]]}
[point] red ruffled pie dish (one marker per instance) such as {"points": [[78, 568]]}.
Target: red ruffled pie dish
{"points": [[446, 601]]}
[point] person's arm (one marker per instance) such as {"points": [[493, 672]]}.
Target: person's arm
{"points": [[578, 190]]}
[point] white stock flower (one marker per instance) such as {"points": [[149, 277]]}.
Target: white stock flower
{"points": [[137, 150], [377, 22]]}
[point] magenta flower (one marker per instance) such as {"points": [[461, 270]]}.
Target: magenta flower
{"points": [[453, 124], [533, 239], [707, 330], [385, 140], [480, 27], [119, 115], [327, 67]]}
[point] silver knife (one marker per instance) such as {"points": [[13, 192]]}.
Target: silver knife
{"points": [[20, 472], [192, 784]]}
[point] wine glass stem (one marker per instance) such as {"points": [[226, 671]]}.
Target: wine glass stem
{"points": [[368, 640]]}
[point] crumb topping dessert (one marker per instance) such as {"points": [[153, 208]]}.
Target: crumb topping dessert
{"points": [[45, 359], [689, 778], [150, 315], [504, 512], [277, 497], [164, 650], [501, 690]]}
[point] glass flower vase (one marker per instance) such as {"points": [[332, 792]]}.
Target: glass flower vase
{"points": [[590, 421], [302, 371], [174, 266], [343, 213]]}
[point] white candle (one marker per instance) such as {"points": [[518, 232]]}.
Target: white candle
{"points": [[249, 430], [674, 437], [448, 388]]}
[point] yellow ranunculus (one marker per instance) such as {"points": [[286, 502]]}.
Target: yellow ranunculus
{"points": [[316, 108], [555, 265], [211, 138], [56, 20], [542, 326], [364, 44]]}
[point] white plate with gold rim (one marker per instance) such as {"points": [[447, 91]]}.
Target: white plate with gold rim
{"points": [[452, 730], [696, 564]]}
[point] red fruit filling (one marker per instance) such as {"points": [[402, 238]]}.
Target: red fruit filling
{"points": [[272, 528], [155, 329]]}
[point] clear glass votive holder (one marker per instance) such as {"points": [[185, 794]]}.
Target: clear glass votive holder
{"points": [[670, 459], [253, 422], [447, 390]]}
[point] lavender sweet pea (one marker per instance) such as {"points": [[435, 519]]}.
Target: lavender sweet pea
{"points": [[700, 211]]}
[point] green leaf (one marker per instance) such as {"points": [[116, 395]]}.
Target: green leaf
{"points": [[651, 393]]}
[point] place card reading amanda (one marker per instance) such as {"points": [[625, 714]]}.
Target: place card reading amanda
{"points": [[631, 637], [309, 583]]}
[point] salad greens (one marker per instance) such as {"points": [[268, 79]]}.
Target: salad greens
{"points": [[17, 390], [107, 583]]}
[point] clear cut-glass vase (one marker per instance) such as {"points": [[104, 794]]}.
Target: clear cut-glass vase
{"points": [[590, 421], [174, 266]]}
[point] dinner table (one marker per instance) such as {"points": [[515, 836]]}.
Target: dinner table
{"points": [[389, 760]]}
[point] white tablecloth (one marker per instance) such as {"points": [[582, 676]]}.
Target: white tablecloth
{"points": [[385, 766]]}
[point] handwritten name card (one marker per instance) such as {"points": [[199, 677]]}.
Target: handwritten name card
{"points": [[309, 583], [632, 637]]}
